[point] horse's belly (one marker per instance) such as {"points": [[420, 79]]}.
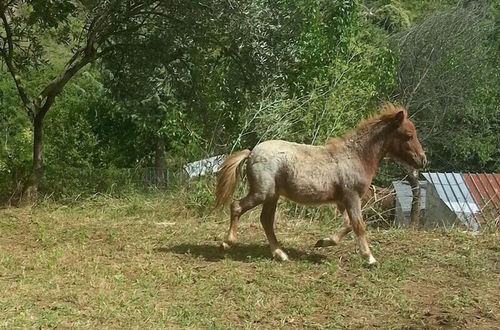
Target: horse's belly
{"points": [[309, 194]]}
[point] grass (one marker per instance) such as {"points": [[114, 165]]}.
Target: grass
{"points": [[150, 262]]}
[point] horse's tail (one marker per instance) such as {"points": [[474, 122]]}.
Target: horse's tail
{"points": [[227, 177]]}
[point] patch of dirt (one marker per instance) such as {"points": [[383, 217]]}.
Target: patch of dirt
{"points": [[432, 313]]}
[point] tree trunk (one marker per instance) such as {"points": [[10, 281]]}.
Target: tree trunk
{"points": [[415, 203], [30, 190], [160, 162]]}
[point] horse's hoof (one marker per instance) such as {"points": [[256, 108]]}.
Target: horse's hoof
{"points": [[225, 246], [280, 255], [372, 261], [324, 242]]}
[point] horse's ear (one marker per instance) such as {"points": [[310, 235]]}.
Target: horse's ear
{"points": [[398, 118]]}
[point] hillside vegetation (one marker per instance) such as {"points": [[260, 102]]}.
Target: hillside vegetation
{"points": [[92, 89]]}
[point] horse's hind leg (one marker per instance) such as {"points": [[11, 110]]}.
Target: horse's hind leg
{"points": [[336, 238], [267, 221], [238, 208], [344, 231]]}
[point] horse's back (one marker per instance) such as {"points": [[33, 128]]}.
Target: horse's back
{"points": [[301, 172], [274, 147], [278, 153]]}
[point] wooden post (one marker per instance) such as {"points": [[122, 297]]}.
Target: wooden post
{"points": [[159, 162], [415, 203]]}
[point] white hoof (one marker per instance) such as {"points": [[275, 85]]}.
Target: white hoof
{"points": [[372, 260], [324, 242], [225, 246], [280, 255]]}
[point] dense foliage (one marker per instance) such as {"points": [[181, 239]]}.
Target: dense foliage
{"points": [[160, 83]]}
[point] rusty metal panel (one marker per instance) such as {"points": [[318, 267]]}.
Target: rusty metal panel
{"points": [[485, 189]]}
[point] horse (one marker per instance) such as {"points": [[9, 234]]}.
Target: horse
{"points": [[339, 172]]}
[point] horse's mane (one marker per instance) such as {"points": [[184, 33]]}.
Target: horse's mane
{"points": [[386, 111]]}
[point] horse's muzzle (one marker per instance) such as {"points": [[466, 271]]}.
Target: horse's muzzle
{"points": [[420, 160], [424, 160]]}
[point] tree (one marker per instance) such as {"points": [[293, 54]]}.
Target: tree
{"points": [[221, 56], [340, 68], [447, 77], [24, 25]]}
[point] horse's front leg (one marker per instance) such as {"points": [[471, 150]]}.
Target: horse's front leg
{"points": [[336, 238], [353, 206]]}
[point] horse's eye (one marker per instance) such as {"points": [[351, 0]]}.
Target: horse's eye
{"points": [[409, 136]]}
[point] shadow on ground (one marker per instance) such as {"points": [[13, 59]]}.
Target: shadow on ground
{"points": [[239, 252]]}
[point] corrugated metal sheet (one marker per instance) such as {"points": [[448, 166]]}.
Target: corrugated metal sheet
{"points": [[485, 189], [453, 190], [473, 197], [405, 196], [204, 166]]}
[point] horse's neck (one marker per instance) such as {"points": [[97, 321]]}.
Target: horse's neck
{"points": [[369, 145]]}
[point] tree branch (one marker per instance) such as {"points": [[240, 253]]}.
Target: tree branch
{"points": [[47, 96], [9, 61]]}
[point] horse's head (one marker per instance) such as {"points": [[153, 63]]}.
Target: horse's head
{"points": [[403, 144]]}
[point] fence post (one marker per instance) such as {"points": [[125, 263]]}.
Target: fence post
{"points": [[415, 203]]}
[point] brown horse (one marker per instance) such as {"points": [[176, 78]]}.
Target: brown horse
{"points": [[340, 172]]}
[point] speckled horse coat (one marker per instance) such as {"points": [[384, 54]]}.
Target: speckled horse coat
{"points": [[339, 172]]}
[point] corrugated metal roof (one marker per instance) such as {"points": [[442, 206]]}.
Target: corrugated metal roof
{"points": [[485, 189], [453, 190], [473, 197]]}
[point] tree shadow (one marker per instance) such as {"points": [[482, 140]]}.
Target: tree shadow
{"points": [[239, 252]]}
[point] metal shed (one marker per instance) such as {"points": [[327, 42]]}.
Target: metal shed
{"points": [[451, 199], [485, 189], [404, 198], [461, 199]]}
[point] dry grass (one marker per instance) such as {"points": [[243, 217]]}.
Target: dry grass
{"points": [[149, 262]]}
